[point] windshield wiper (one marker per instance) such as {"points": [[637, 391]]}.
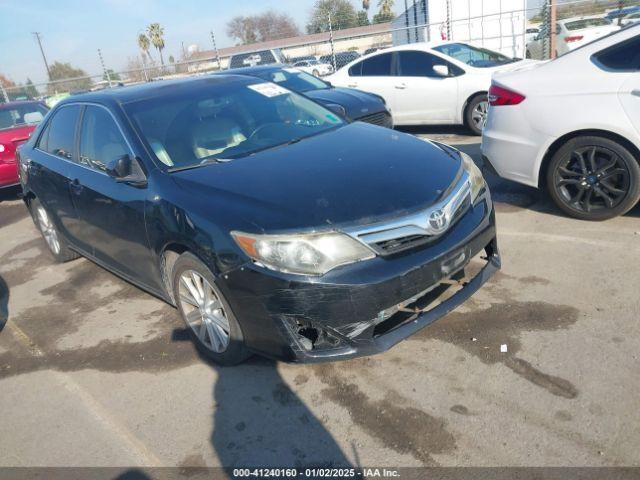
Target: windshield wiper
{"points": [[206, 161]]}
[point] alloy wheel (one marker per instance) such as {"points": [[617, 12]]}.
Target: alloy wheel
{"points": [[592, 178], [48, 230], [204, 311], [479, 114]]}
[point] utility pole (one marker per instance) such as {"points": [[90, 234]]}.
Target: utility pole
{"points": [[105, 71], [37, 35], [552, 27], [333, 52], [215, 48]]}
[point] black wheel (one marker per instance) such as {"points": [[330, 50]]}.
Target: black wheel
{"points": [[527, 54], [55, 241], [594, 178], [475, 115], [206, 312]]}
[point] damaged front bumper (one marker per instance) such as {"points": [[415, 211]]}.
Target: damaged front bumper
{"points": [[368, 307]]}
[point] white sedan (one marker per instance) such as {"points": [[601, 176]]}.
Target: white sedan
{"points": [[572, 125], [571, 33], [429, 83], [314, 67]]}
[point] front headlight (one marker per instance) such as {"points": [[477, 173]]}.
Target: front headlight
{"points": [[475, 176], [310, 254]]}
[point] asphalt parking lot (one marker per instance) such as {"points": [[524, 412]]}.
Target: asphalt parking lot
{"points": [[94, 372]]}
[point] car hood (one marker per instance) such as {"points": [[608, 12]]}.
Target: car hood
{"points": [[356, 103], [356, 174]]}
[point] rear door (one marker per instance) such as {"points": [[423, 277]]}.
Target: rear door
{"points": [[112, 213], [48, 167], [375, 75], [422, 96]]}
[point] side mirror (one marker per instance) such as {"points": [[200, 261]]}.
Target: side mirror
{"points": [[441, 70], [337, 109], [125, 169]]}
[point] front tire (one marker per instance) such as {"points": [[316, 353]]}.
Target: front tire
{"points": [[475, 115], [594, 178], [56, 243], [207, 314]]}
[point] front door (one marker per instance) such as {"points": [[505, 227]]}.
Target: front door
{"points": [[112, 213], [422, 95]]}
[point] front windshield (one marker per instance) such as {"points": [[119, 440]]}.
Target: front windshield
{"points": [[474, 56], [293, 79], [223, 121], [20, 115]]}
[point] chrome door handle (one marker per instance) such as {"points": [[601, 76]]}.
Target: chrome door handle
{"points": [[401, 87], [636, 92], [353, 85]]}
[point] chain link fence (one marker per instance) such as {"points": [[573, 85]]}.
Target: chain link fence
{"points": [[506, 26]]}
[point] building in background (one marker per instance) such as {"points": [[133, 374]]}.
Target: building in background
{"points": [[495, 24]]}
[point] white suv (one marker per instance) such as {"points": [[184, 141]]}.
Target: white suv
{"points": [[573, 125]]}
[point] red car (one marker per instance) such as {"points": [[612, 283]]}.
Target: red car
{"points": [[17, 121]]}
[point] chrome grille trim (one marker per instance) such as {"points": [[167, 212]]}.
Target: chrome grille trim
{"points": [[416, 224]]}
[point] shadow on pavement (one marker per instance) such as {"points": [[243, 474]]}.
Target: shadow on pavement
{"points": [[9, 193], [4, 303], [260, 421]]}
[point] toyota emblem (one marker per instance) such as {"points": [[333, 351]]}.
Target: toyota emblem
{"points": [[438, 220]]}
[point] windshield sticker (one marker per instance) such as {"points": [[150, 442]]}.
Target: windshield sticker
{"points": [[268, 89]]}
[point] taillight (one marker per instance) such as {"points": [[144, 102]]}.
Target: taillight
{"points": [[573, 38], [2, 148], [499, 96]]}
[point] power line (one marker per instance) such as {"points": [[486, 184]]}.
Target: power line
{"points": [[37, 35]]}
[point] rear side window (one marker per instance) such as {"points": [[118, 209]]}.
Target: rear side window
{"points": [[60, 134], [100, 141], [623, 57], [377, 66]]}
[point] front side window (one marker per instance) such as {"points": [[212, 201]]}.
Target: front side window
{"points": [[100, 140], [412, 63], [21, 115], [222, 121], [294, 79], [60, 133], [376, 66], [623, 57], [474, 56]]}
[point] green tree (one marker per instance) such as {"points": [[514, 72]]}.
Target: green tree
{"points": [[156, 36], [115, 77], [62, 71], [270, 25], [144, 44], [30, 89], [342, 13], [362, 18], [385, 14]]}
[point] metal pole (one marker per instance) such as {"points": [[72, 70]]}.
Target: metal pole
{"points": [[546, 29], [215, 48], [105, 71], [4, 93], [552, 28], [37, 35], [415, 19], [406, 21], [333, 52]]}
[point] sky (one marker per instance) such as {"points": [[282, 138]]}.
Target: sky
{"points": [[73, 30]]}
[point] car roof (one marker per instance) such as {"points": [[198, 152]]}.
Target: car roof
{"points": [[122, 95], [270, 67], [19, 102], [585, 17]]}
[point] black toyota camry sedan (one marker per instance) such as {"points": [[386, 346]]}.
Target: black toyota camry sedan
{"points": [[353, 105], [274, 226]]}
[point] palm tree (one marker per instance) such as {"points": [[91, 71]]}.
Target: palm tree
{"points": [[144, 44], [365, 5], [386, 7], [156, 32]]}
